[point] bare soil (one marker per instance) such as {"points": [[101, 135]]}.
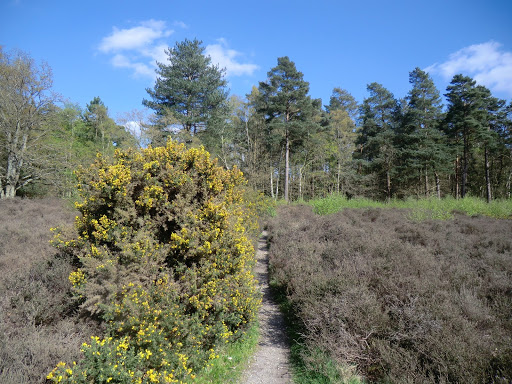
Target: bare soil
{"points": [[270, 364]]}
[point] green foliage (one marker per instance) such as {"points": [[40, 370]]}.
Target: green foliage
{"points": [[288, 110], [189, 88], [420, 208], [227, 368], [26, 101], [165, 262], [474, 121], [376, 139]]}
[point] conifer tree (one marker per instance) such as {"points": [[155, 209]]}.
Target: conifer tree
{"points": [[283, 100], [473, 120], [189, 89], [376, 139], [424, 151]]}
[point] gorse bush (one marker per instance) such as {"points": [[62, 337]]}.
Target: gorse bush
{"points": [[164, 261]]}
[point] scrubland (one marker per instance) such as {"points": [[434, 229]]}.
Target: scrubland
{"points": [[38, 322], [382, 295], [375, 295]]}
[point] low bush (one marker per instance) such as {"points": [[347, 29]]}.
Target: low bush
{"points": [[404, 301], [164, 262]]}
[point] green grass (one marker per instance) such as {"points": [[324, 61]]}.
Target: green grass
{"points": [[232, 361], [420, 209]]}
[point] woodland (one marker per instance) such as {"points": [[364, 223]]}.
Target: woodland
{"points": [[288, 145]]}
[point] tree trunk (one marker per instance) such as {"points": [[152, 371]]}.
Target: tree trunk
{"points": [[286, 168], [509, 185], [272, 182], [426, 182], [487, 176], [338, 178], [388, 184], [277, 183], [438, 185], [14, 164], [457, 177], [300, 182], [465, 166]]}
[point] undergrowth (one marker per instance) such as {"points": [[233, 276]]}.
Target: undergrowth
{"points": [[421, 209], [232, 360]]}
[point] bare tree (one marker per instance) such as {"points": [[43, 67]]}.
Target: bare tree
{"points": [[26, 101]]}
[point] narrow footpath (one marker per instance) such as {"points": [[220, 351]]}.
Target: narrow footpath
{"points": [[270, 363]]}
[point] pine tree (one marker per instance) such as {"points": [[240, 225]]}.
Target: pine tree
{"points": [[189, 90], [424, 151], [288, 110], [472, 122], [376, 139]]}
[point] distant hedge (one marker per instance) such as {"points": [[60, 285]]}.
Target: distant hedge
{"points": [[163, 260]]}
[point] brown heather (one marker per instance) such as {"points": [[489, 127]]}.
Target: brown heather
{"points": [[37, 324], [403, 301]]}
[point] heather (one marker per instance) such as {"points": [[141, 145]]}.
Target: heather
{"points": [[378, 293], [38, 323]]}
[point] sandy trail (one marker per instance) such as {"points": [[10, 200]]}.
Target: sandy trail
{"points": [[270, 363]]}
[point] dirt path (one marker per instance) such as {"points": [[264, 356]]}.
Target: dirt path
{"points": [[269, 364]]}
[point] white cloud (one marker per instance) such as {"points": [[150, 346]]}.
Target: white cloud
{"points": [[141, 47], [138, 48], [486, 63], [136, 37], [180, 24], [140, 69], [224, 57]]}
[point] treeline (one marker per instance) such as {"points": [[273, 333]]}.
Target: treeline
{"points": [[288, 144], [290, 147]]}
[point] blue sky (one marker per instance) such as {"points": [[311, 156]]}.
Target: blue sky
{"points": [[108, 48]]}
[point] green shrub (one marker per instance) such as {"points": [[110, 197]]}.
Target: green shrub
{"points": [[165, 261]]}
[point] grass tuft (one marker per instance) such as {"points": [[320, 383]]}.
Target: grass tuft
{"points": [[232, 360]]}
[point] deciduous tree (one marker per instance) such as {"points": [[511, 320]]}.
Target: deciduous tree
{"points": [[26, 101]]}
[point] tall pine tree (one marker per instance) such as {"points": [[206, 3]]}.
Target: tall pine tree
{"points": [[376, 139], [189, 90], [423, 149], [283, 100]]}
